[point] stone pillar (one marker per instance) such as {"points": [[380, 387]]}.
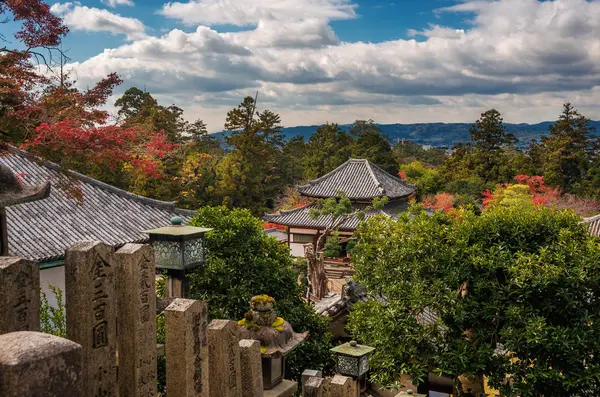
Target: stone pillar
{"points": [[36, 364], [251, 366], [187, 350], [224, 355], [343, 386], [19, 295], [136, 320], [314, 387], [309, 373], [91, 314]]}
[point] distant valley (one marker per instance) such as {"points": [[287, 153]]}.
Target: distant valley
{"points": [[433, 134]]}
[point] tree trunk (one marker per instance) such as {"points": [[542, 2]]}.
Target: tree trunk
{"points": [[316, 272]]}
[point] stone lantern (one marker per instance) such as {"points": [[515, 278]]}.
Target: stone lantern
{"points": [[276, 336], [12, 192], [352, 359], [178, 249]]}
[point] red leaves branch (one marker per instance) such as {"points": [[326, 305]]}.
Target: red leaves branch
{"points": [[109, 146]]}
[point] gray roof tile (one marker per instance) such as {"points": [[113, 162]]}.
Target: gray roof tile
{"points": [[42, 230], [359, 179], [300, 217]]}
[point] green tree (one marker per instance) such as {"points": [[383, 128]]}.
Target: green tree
{"points": [[327, 148], [489, 140], [406, 152], [293, 157], [243, 261], [510, 295], [139, 108], [251, 176], [427, 179], [569, 150], [490, 155], [371, 144]]}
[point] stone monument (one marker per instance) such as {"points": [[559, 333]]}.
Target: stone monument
{"points": [[276, 336], [35, 364], [19, 295]]}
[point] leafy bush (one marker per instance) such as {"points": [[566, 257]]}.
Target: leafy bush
{"points": [[243, 261], [333, 248], [427, 179], [53, 319], [519, 279]]}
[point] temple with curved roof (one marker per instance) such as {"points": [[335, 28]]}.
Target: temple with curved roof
{"points": [[361, 181]]}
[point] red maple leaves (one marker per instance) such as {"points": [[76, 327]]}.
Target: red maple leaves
{"points": [[107, 146], [39, 27]]}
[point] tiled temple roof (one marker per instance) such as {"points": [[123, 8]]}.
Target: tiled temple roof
{"points": [[359, 179], [42, 230], [300, 217]]}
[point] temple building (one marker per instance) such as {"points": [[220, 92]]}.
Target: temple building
{"points": [[361, 181], [44, 223]]}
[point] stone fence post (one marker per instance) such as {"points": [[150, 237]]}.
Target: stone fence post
{"points": [[251, 368], [314, 387], [91, 314], [36, 364], [136, 320], [186, 349], [343, 386], [224, 355], [19, 295]]}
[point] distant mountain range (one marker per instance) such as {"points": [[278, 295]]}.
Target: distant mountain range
{"points": [[432, 134]]}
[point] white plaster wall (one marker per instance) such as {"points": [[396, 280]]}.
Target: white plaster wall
{"points": [[52, 276], [302, 231], [297, 249]]}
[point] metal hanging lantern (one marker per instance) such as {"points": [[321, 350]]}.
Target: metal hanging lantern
{"points": [[178, 247], [352, 359]]}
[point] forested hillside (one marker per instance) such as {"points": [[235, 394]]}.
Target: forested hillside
{"points": [[432, 134]]}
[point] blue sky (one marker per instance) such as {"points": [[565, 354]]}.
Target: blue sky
{"points": [[339, 60]]}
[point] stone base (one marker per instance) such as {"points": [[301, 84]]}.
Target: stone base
{"points": [[286, 388]]}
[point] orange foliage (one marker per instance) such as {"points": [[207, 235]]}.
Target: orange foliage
{"points": [[267, 225], [441, 201]]}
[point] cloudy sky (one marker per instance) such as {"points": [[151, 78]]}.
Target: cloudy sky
{"points": [[339, 60]]}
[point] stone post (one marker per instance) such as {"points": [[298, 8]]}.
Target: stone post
{"points": [[186, 348], [136, 320], [309, 373], [343, 386], [91, 314], [251, 366], [19, 295], [224, 355], [36, 364], [314, 387]]}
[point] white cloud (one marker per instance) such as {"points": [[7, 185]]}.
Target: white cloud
{"points": [[116, 3], [250, 12], [78, 17], [522, 56]]}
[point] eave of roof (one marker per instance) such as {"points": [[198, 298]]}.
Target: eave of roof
{"points": [[300, 217], [42, 230]]}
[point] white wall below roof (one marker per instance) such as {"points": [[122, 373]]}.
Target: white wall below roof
{"points": [[297, 249], [52, 276], [302, 231]]}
